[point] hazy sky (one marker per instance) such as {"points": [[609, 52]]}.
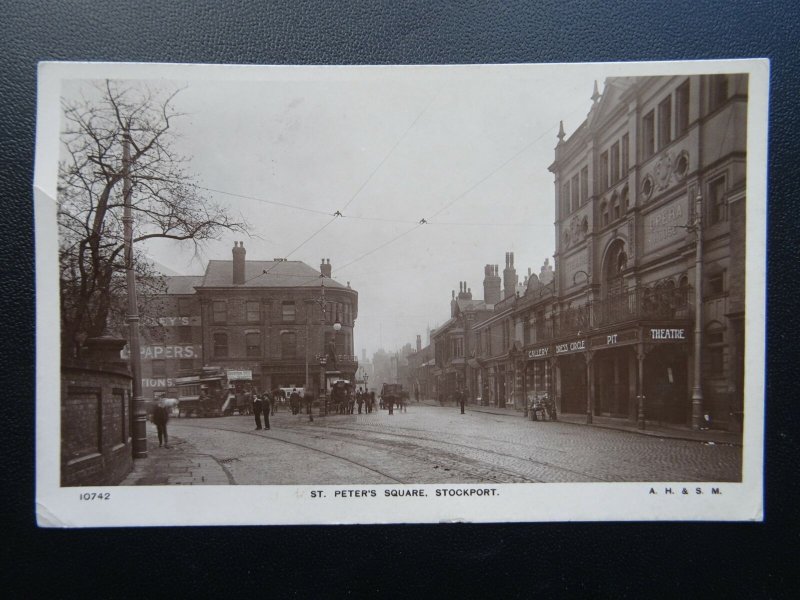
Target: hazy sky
{"points": [[466, 148]]}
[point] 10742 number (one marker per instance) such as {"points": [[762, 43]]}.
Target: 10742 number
{"points": [[95, 496]]}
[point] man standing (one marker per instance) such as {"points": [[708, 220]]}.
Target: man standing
{"points": [[257, 406], [460, 398], [160, 418]]}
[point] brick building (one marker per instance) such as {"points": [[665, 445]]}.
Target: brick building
{"points": [[263, 318]]}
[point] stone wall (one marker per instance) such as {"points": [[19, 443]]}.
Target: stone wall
{"points": [[96, 445]]}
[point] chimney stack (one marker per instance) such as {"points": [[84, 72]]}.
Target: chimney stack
{"points": [[238, 263], [510, 278], [491, 285], [419, 342], [325, 268]]}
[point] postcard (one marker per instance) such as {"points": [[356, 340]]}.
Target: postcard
{"points": [[400, 294]]}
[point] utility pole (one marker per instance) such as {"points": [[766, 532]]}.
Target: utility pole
{"points": [[137, 408], [697, 388]]}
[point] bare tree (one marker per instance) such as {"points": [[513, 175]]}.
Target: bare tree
{"points": [[166, 203]]}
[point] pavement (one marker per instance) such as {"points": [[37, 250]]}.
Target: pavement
{"points": [[652, 428], [179, 463]]}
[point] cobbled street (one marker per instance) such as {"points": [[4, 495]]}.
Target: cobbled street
{"points": [[428, 444]]}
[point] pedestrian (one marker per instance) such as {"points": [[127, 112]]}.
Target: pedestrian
{"points": [[360, 400], [461, 398], [266, 401], [160, 418], [257, 408], [294, 401], [372, 400]]}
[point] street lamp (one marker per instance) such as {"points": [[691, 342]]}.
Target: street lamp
{"points": [[697, 388]]}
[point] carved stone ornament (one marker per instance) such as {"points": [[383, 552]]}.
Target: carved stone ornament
{"points": [[663, 171]]}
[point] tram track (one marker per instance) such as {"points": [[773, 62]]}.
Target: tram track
{"points": [[448, 463], [546, 464], [306, 446]]}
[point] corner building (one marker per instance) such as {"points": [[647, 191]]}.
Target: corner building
{"points": [[267, 317], [654, 157]]}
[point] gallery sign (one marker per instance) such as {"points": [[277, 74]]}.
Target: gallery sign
{"points": [[542, 352]]}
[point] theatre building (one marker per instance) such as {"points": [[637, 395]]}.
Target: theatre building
{"points": [[658, 163]]}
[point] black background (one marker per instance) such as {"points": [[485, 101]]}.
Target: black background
{"points": [[619, 560]]}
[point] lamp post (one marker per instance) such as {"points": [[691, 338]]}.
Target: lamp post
{"points": [[697, 388], [307, 382], [139, 414]]}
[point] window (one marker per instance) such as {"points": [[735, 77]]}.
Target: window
{"points": [[288, 344], [648, 135], [575, 190], [615, 163], [626, 198], [716, 284], [665, 122], [584, 185], [717, 208], [159, 367], [682, 109], [184, 334], [565, 197], [221, 345], [186, 364], [718, 92], [253, 311], [625, 155], [288, 310], [604, 213], [615, 214], [220, 310], [253, 343], [604, 171], [715, 348]]}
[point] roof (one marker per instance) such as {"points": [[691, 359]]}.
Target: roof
{"points": [[181, 284], [285, 273]]}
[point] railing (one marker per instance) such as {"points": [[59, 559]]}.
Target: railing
{"points": [[628, 305]]}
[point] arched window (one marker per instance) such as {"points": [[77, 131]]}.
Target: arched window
{"points": [[221, 345]]}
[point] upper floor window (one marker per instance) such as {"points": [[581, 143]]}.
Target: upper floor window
{"points": [[253, 343], [625, 155], [288, 344], [665, 122], [575, 191], [717, 207], [565, 197], [716, 284], [221, 345], [604, 171], [682, 109], [584, 185], [649, 134], [220, 311], [718, 91], [253, 311], [615, 212], [615, 163], [288, 310], [604, 213], [715, 348]]}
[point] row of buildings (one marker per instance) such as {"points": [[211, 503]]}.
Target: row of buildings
{"points": [[649, 267], [262, 322]]}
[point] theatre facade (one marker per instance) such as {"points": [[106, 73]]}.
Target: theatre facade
{"points": [[650, 247], [648, 285]]}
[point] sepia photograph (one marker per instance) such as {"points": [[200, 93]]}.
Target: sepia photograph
{"points": [[400, 293]]}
